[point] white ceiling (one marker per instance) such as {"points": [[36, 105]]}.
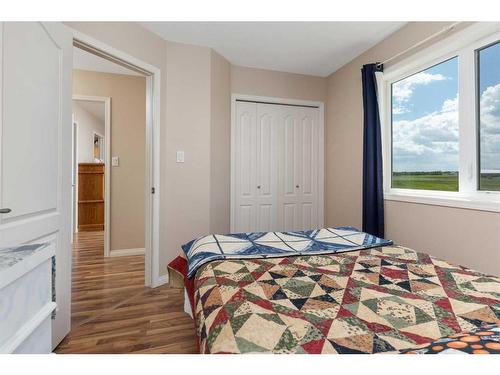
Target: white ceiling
{"points": [[314, 48], [94, 108], [86, 61]]}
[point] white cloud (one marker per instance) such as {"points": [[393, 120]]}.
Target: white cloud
{"points": [[403, 90], [428, 143], [490, 128]]}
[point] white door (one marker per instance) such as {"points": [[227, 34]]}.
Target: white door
{"points": [[299, 169], [290, 170], [245, 175], [276, 168], [308, 178], [256, 167], [267, 144], [35, 176]]}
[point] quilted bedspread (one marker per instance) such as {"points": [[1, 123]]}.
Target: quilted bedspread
{"points": [[276, 244], [384, 299]]}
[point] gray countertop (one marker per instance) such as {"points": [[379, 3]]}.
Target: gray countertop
{"points": [[10, 256]]}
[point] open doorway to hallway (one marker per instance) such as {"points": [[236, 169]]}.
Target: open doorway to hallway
{"points": [[90, 120], [109, 169]]}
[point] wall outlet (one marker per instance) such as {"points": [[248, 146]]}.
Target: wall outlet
{"points": [[115, 161], [180, 157]]}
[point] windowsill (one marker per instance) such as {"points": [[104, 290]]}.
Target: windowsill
{"points": [[480, 201]]}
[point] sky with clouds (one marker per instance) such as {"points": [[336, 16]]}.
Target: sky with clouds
{"points": [[489, 89], [425, 117]]}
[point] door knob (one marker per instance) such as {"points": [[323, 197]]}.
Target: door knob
{"points": [[297, 186], [5, 210], [258, 186]]}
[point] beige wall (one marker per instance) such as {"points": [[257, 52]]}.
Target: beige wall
{"points": [[220, 144], [260, 82], [468, 237], [87, 125], [128, 126], [186, 191]]}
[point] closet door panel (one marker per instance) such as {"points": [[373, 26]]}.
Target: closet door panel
{"points": [[265, 155], [289, 170], [297, 159], [299, 169], [268, 117], [307, 216], [309, 167], [247, 153], [245, 163], [289, 217], [246, 219], [315, 170], [265, 218], [306, 186], [289, 159]]}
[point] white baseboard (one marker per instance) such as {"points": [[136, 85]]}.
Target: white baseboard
{"points": [[161, 280], [126, 252]]}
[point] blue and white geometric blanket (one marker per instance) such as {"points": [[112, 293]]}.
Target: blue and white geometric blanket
{"points": [[276, 244]]}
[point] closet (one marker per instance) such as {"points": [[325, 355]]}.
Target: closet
{"points": [[277, 167]]}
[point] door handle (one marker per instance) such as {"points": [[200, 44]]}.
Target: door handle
{"points": [[297, 186], [5, 210], [258, 186]]}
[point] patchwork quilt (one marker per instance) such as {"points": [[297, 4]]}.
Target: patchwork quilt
{"points": [[276, 244], [377, 300]]}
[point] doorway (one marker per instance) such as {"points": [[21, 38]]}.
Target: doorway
{"points": [[151, 198], [91, 165], [113, 200]]}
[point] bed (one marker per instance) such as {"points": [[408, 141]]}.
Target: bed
{"points": [[334, 290]]}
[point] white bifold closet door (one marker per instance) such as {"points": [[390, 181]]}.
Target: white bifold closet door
{"points": [[257, 143], [298, 169], [276, 182]]}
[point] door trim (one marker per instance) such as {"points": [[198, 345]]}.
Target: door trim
{"points": [[106, 100], [279, 101], [152, 175], [74, 177]]}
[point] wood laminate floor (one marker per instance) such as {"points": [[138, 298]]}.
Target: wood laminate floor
{"points": [[112, 310]]}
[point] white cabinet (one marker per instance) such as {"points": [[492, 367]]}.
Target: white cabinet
{"points": [[277, 167], [26, 299]]}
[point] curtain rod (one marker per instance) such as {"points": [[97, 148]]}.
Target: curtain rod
{"points": [[418, 44]]}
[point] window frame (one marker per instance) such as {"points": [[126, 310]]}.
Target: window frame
{"points": [[478, 110], [463, 44]]}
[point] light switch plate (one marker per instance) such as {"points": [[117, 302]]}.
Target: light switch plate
{"points": [[180, 157], [115, 161]]}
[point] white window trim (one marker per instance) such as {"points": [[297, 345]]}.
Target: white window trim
{"points": [[461, 44]]}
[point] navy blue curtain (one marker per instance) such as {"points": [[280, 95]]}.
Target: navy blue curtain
{"points": [[373, 194]]}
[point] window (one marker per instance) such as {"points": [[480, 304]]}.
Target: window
{"points": [[425, 129], [488, 86], [441, 122]]}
